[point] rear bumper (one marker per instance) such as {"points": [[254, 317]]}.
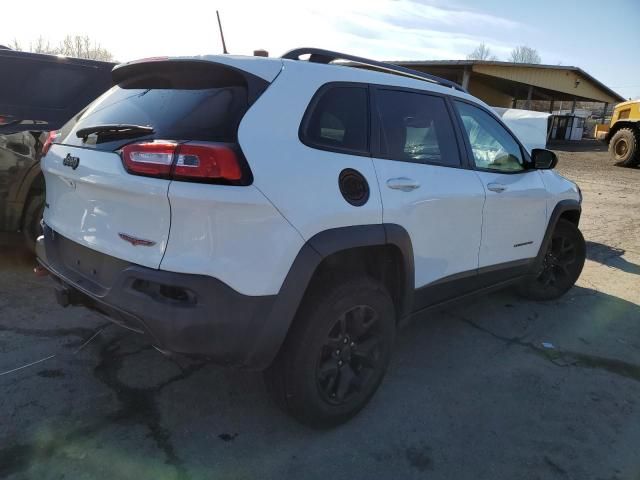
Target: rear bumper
{"points": [[178, 313]]}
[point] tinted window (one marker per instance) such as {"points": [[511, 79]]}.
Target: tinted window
{"points": [[210, 114], [416, 127], [493, 146], [339, 120]]}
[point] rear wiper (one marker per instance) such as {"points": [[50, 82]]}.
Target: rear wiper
{"points": [[115, 130]]}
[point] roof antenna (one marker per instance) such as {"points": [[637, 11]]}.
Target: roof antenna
{"points": [[224, 45]]}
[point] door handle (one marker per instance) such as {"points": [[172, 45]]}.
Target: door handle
{"points": [[496, 187], [402, 183]]}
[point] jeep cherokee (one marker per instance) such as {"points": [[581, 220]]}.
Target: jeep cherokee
{"points": [[286, 215]]}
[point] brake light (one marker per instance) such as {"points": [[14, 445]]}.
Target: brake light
{"points": [[51, 136], [185, 161]]}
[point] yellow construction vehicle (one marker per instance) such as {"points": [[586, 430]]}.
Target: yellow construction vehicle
{"points": [[623, 137]]}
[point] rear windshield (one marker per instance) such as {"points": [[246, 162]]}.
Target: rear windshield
{"points": [[206, 114]]}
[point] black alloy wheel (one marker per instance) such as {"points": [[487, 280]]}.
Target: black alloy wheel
{"points": [[350, 355], [561, 265], [336, 352]]}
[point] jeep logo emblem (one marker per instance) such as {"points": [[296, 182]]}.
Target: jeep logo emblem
{"points": [[70, 161]]}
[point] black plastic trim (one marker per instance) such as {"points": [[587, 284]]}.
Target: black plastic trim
{"points": [[561, 207], [213, 321], [469, 282], [216, 322], [396, 235], [320, 246], [462, 295]]}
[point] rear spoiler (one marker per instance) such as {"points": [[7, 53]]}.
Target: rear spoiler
{"points": [[42, 92], [186, 73]]}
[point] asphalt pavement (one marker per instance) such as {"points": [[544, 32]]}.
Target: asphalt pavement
{"points": [[495, 388]]}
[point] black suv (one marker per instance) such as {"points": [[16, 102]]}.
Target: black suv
{"points": [[38, 94]]}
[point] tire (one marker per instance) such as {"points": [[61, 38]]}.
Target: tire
{"points": [[561, 266], [31, 226], [624, 147], [336, 353]]}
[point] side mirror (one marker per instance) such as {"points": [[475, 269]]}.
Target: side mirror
{"points": [[543, 159]]}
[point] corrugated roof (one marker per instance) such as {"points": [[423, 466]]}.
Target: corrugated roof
{"points": [[449, 63]]}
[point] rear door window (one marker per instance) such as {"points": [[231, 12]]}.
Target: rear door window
{"points": [[338, 120], [416, 127]]}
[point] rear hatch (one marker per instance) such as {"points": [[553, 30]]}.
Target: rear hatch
{"points": [[157, 110]]}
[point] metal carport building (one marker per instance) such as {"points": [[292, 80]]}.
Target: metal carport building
{"points": [[501, 84]]}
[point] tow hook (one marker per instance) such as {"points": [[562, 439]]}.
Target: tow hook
{"points": [[63, 296], [40, 271]]}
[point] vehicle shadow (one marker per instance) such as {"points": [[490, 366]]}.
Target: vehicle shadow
{"points": [[611, 257]]}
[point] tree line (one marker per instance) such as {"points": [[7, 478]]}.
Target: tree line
{"points": [[520, 54], [79, 46]]}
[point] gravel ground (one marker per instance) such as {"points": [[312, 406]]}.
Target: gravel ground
{"points": [[471, 392]]}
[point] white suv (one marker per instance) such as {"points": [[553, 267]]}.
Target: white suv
{"points": [[285, 215]]}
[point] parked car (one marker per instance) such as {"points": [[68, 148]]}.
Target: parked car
{"points": [[39, 93], [286, 215]]}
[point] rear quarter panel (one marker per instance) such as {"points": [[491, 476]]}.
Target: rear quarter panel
{"points": [[302, 182], [230, 233]]}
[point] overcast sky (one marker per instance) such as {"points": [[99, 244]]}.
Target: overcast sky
{"points": [[602, 38]]}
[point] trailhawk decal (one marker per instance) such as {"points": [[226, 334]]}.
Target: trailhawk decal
{"points": [[522, 244]]}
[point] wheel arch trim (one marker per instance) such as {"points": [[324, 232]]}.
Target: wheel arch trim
{"points": [[561, 207], [322, 245]]}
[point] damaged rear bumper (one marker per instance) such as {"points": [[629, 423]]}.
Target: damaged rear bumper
{"points": [[178, 313]]}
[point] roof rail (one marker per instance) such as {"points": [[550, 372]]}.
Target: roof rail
{"points": [[319, 55]]}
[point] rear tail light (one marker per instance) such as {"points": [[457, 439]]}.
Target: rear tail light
{"points": [[207, 161], [51, 136], [149, 158], [199, 162]]}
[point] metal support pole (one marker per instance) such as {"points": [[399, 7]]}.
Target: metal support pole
{"points": [[573, 106], [604, 112], [551, 106], [466, 74], [529, 96]]}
